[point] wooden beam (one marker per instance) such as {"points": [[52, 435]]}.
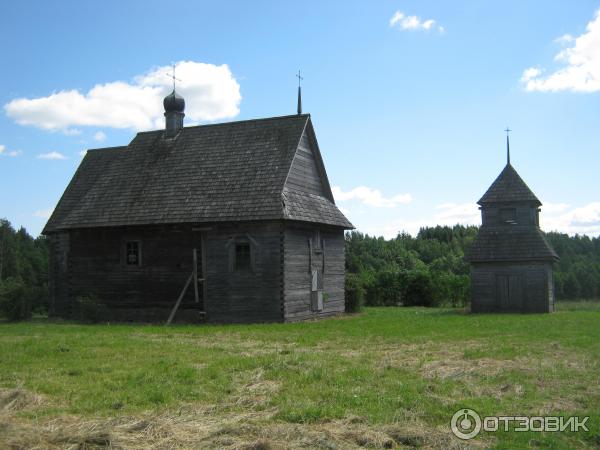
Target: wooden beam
{"points": [[195, 255], [201, 228], [176, 307], [323, 254], [310, 255], [203, 262]]}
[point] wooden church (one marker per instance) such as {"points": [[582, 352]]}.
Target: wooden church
{"points": [[230, 222], [511, 261]]}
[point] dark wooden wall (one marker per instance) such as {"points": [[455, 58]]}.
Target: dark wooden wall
{"points": [[91, 262], [140, 293], [245, 296], [526, 214], [297, 266], [532, 282], [58, 268]]}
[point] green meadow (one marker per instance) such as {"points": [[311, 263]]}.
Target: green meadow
{"points": [[385, 378]]}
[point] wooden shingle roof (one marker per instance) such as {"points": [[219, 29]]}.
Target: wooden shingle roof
{"points": [[496, 244], [508, 187], [232, 171]]}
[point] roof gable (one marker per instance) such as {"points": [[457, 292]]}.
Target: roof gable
{"points": [[307, 172], [223, 172], [508, 187]]}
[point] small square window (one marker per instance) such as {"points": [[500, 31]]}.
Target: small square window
{"points": [[242, 256], [132, 253], [508, 215]]}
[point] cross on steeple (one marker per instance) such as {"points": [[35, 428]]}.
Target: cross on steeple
{"points": [[508, 130], [173, 77], [300, 78]]}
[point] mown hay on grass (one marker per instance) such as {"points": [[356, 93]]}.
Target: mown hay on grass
{"points": [[18, 399], [195, 427]]}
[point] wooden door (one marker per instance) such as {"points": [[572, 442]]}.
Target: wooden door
{"points": [[515, 293], [509, 292], [502, 292]]}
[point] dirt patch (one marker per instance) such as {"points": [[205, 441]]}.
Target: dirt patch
{"points": [[18, 399], [256, 391], [455, 366], [559, 405], [449, 363]]}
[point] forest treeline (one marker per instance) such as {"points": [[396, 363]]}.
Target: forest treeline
{"points": [[427, 270], [430, 269], [23, 272]]}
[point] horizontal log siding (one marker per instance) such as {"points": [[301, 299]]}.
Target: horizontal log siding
{"points": [[244, 296], [297, 276], [58, 271], [148, 292], [536, 279], [137, 293]]}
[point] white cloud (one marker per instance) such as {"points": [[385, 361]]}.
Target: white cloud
{"points": [[564, 39], [82, 153], [71, 131], [580, 220], [413, 23], [370, 197], [453, 213], [52, 155], [581, 72], [99, 136], [5, 152], [559, 217], [553, 208], [449, 214], [530, 74], [211, 92], [44, 213]]}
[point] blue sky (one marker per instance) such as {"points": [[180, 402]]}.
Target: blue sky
{"points": [[409, 98]]}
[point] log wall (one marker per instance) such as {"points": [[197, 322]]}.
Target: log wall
{"points": [[300, 258], [512, 287]]}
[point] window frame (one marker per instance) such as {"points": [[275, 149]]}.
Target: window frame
{"points": [[236, 256], [317, 241], [126, 243]]}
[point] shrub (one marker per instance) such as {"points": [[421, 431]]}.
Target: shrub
{"points": [[15, 299], [386, 290], [354, 293], [419, 290]]}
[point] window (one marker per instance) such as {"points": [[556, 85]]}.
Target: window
{"points": [[242, 256], [316, 294], [508, 216], [317, 242], [133, 253]]}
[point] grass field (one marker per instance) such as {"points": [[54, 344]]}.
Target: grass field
{"points": [[387, 378]]}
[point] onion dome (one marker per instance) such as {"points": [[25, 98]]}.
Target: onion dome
{"points": [[174, 102]]}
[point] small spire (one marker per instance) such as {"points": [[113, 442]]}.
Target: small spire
{"points": [[173, 77], [300, 78], [508, 130]]}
